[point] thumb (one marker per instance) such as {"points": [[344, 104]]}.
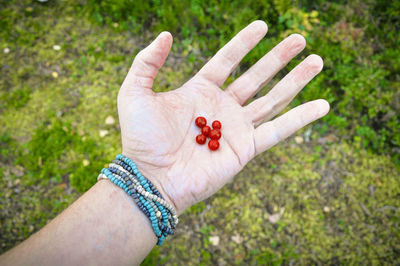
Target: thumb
{"points": [[147, 63]]}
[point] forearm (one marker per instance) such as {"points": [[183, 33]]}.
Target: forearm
{"points": [[103, 227]]}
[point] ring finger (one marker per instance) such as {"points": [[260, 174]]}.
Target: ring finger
{"points": [[268, 106]]}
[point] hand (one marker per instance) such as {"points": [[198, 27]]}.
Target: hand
{"points": [[158, 129]]}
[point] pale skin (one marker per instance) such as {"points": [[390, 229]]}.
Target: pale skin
{"points": [[104, 226]]}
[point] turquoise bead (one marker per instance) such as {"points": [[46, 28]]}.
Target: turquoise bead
{"points": [[150, 206]]}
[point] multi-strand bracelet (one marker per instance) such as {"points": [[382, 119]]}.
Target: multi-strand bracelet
{"points": [[125, 174]]}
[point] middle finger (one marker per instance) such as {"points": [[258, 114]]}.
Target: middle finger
{"points": [[248, 84]]}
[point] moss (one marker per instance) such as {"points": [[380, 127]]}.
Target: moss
{"points": [[337, 206], [358, 41], [27, 208], [337, 200]]}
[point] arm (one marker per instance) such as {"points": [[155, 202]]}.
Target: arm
{"points": [[158, 132], [103, 227]]}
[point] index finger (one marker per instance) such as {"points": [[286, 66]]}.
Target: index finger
{"points": [[228, 57]]}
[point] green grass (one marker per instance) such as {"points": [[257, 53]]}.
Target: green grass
{"points": [[337, 193], [359, 42], [338, 205]]}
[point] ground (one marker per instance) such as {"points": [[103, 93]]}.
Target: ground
{"points": [[319, 197]]}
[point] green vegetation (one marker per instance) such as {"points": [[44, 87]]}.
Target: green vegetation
{"points": [[333, 206], [359, 42], [330, 200]]}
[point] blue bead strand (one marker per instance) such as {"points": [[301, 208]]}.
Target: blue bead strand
{"points": [[150, 209], [132, 165], [124, 173], [133, 169], [145, 186], [119, 183]]}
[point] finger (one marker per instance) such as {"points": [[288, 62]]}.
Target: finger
{"points": [[147, 63], [272, 132], [266, 107], [248, 84], [228, 57]]}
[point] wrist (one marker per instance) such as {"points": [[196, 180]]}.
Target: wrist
{"points": [[125, 221], [155, 175], [159, 209]]}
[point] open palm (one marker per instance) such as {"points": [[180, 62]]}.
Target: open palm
{"points": [[158, 129]]}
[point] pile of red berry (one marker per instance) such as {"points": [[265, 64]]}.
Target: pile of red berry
{"points": [[214, 134]]}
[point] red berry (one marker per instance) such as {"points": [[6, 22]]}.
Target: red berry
{"points": [[205, 130], [213, 144], [200, 121], [215, 134], [201, 139], [216, 124]]}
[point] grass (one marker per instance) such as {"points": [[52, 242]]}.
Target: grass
{"points": [[337, 205], [330, 200], [359, 42]]}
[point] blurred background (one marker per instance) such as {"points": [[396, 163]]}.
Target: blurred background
{"points": [[328, 195]]}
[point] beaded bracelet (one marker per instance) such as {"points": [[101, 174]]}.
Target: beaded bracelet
{"points": [[124, 173]]}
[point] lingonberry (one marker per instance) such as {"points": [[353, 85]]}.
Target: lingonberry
{"points": [[201, 121], [213, 144], [201, 139], [205, 131], [215, 134], [216, 124]]}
